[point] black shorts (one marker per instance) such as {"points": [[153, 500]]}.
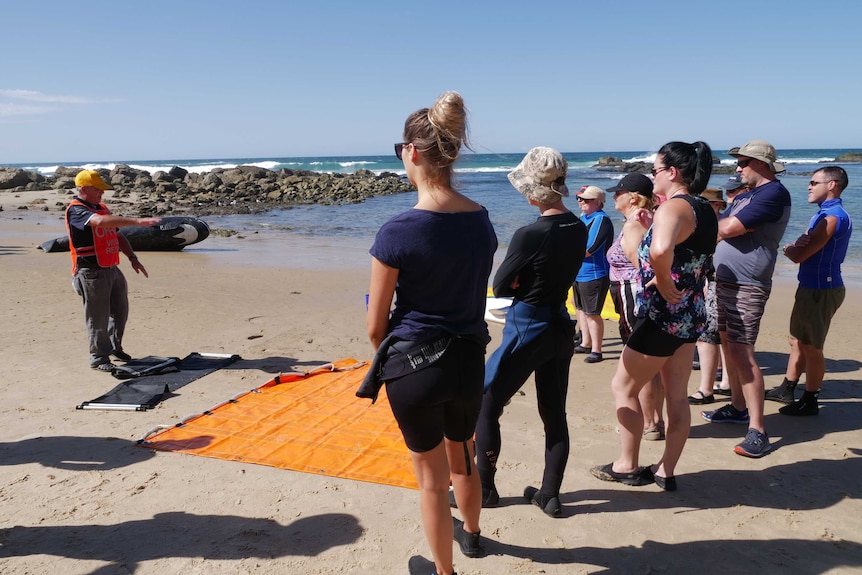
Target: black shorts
{"points": [[649, 339], [590, 296], [443, 399]]}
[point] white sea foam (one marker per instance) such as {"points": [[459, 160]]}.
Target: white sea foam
{"points": [[356, 163], [486, 169], [648, 158]]}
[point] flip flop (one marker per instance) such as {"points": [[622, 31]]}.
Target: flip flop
{"points": [[698, 398], [721, 391]]}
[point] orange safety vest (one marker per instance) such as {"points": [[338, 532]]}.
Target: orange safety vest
{"points": [[106, 244]]}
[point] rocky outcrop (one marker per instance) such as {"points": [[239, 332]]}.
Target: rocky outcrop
{"points": [[612, 164], [15, 177], [849, 157], [244, 189]]}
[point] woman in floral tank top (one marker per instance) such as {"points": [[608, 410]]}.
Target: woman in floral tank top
{"points": [[675, 256]]}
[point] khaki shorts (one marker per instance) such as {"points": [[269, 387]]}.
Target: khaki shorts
{"points": [[812, 314]]}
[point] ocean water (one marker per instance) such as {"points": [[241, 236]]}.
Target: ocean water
{"points": [[483, 178]]}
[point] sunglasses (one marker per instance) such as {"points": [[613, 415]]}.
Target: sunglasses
{"points": [[585, 200], [655, 171], [744, 163], [399, 148], [813, 183]]}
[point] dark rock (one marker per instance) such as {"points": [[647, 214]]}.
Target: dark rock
{"points": [[178, 173], [849, 157]]}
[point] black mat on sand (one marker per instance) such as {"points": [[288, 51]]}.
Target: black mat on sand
{"points": [[146, 391]]}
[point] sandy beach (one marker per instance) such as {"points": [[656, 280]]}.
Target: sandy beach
{"points": [[78, 496]]}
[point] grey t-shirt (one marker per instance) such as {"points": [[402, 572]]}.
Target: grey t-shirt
{"points": [[749, 259]]}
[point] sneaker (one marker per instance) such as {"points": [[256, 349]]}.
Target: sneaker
{"points": [[549, 505], [726, 414], [807, 405], [121, 355], [782, 393], [469, 542], [594, 357], [755, 444]]}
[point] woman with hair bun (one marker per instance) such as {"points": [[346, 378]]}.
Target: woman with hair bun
{"points": [[435, 259], [675, 257]]}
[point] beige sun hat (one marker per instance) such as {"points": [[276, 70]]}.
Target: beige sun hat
{"points": [[759, 150], [541, 175]]}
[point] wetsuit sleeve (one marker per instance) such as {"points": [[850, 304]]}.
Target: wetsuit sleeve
{"points": [[519, 254]]}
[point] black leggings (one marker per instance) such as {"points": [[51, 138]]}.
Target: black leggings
{"points": [[549, 356], [442, 399]]}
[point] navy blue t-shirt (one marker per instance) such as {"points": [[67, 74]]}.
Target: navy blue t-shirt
{"points": [[443, 262]]}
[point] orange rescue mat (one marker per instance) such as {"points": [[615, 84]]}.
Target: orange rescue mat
{"points": [[309, 422]]}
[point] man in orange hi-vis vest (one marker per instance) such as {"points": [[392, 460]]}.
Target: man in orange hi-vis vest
{"points": [[96, 276]]}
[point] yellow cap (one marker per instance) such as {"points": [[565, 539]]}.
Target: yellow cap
{"points": [[91, 178]]}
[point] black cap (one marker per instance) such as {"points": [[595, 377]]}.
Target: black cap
{"points": [[638, 183]]}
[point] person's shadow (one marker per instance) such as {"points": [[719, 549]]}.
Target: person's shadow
{"points": [[179, 534], [781, 487], [775, 363], [74, 453], [709, 556]]}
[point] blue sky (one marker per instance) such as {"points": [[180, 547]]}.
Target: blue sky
{"points": [[121, 81]]}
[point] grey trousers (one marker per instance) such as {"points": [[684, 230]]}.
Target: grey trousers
{"points": [[106, 309]]}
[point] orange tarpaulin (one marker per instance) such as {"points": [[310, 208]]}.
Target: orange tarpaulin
{"points": [[310, 422]]}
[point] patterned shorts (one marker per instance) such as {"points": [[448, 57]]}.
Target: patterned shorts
{"points": [[740, 309]]}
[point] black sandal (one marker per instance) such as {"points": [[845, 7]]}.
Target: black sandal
{"points": [[693, 399]]}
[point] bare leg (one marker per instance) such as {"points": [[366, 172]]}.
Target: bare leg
{"points": [[674, 376], [585, 330], [596, 327], [724, 383], [708, 354], [633, 372], [750, 380], [732, 370], [651, 398], [468, 488], [796, 362], [432, 473], [815, 367]]}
